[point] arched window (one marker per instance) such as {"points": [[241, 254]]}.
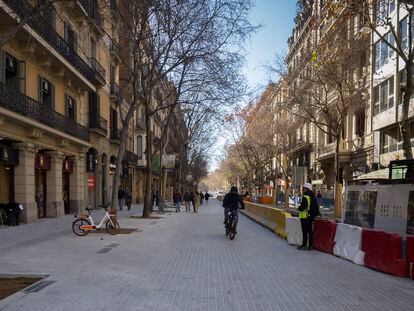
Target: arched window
{"points": [[139, 147]]}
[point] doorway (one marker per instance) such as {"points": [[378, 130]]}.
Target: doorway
{"points": [[66, 192], [6, 184], [40, 195]]}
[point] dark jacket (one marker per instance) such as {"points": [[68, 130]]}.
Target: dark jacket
{"points": [[121, 194], [177, 197], [314, 208], [232, 200]]}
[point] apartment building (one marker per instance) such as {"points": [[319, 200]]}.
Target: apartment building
{"points": [[387, 78], [312, 146], [59, 121]]}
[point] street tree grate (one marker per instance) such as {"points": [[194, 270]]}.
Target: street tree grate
{"points": [[38, 287]]}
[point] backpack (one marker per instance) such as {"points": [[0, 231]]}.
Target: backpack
{"points": [[314, 208]]}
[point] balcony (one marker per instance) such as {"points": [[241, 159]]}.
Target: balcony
{"points": [[131, 158], [96, 122], [114, 51], [141, 125], [115, 92], [38, 24], [115, 135], [99, 71], [17, 102]]}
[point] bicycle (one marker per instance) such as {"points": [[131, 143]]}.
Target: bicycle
{"points": [[230, 224], [84, 223]]}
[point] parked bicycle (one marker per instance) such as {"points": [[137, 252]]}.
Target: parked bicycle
{"points": [[84, 223], [230, 224]]}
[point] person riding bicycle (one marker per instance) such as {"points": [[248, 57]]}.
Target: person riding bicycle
{"points": [[231, 201]]}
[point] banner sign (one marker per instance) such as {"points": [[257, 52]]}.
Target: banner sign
{"points": [[91, 182], [384, 207], [168, 161], [9, 155], [42, 161]]}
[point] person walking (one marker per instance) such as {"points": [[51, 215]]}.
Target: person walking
{"points": [[128, 199], [196, 202], [206, 197], [187, 200], [308, 210], [121, 195], [176, 200], [192, 196], [201, 197]]}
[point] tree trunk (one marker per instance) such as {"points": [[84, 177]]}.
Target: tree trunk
{"points": [[338, 187], [404, 124], [148, 176]]}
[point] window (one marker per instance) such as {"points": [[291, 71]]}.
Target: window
{"points": [[70, 36], [139, 147], [391, 140], [360, 122], [49, 15], [384, 96], [383, 52], [46, 93], [404, 32], [70, 107], [92, 51], [384, 8]]}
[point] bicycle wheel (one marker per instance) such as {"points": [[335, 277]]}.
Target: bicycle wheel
{"points": [[227, 228], [112, 227], [232, 233], [77, 224]]}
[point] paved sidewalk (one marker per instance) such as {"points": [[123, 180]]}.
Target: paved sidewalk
{"points": [[183, 261]]}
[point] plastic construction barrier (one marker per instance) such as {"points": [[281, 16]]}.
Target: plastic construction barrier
{"points": [[383, 252], [324, 234], [294, 231], [410, 255], [281, 218], [348, 241]]}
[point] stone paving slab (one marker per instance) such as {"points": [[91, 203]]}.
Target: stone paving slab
{"points": [[183, 261]]}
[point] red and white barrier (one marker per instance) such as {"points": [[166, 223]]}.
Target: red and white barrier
{"points": [[324, 234], [383, 252], [294, 231], [410, 255], [348, 241]]}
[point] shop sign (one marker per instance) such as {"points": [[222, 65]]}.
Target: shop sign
{"points": [[67, 166], [168, 161], [91, 182], [91, 161], [42, 162], [9, 155]]}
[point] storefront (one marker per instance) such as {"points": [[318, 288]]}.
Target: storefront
{"points": [[42, 166], [9, 158]]}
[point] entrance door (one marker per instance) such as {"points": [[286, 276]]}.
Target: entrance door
{"points": [[66, 192], [40, 195], [6, 184]]}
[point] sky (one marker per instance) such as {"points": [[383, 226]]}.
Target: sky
{"points": [[276, 19]]}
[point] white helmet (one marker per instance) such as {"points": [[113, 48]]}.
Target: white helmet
{"points": [[307, 185]]}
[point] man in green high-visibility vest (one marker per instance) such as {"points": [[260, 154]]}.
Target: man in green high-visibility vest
{"points": [[308, 210]]}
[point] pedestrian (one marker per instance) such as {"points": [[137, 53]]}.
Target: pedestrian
{"points": [[121, 195], [308, 210], [319, 198], [157, 199], [196, 202], [192, 199], [206, 197], [128, 199], [187, 200], [176, 200], [201, 197]]}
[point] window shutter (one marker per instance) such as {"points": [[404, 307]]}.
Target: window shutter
{"points": [[75, 110], [66, 105], [21, 65], [2, 67], [40, 79], [52, 96]]}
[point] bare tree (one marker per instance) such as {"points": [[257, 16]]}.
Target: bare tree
{"points": [[181, 42]]}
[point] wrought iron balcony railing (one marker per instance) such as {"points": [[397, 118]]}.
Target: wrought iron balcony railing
{"points": [[116, 92], [131, 158], [97, 122], [99, 70], [23, 9], [114, 48], [17, 102]]}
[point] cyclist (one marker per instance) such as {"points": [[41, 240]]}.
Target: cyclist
{"points": [[231, 201]]}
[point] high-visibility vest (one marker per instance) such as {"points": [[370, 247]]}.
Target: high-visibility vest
{"points": [[305, 213]]}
